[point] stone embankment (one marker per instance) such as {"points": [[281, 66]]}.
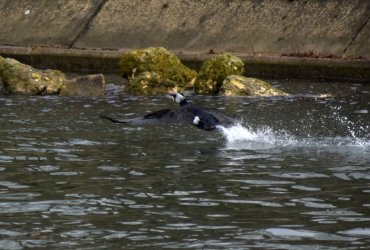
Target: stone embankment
{"points": [[283, 38]]}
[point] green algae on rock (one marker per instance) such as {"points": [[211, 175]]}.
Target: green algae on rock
{"points": [[146, 83], [19, 78], [214, 71], [235, 85], [155, 69]]}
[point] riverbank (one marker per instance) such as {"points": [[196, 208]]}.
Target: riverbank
{"points": [[276, 39], [106, 61]]}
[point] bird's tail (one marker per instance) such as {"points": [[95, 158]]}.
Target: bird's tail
{"points": [[113, 119]]}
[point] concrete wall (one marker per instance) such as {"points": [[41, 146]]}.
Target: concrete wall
{"points": [[252, 27]]}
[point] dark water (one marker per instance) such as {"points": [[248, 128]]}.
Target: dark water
{"points": [[295, 175]]}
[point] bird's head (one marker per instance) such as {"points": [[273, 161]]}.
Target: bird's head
{"points": [[177, 97]]}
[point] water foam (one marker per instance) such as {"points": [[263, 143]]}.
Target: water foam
{"points": [[238, 132], [241, 136]]}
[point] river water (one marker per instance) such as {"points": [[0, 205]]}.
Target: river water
{"points": [[295, 174]]}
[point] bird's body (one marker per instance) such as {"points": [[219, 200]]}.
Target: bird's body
{"points": [[188, 113]]}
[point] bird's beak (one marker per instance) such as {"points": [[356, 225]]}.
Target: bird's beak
{"points": [[171, 95]]}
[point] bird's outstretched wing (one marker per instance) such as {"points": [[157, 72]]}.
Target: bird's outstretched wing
{"points": [[187, 113], [157, 117], [224, 119]]}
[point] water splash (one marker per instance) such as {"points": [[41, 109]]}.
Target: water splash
{"points": [[241, 136], [359, 133], [238, 132]]}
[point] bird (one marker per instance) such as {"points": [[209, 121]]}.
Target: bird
{"points": [[186, 113]]}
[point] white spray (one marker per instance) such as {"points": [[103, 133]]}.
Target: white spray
{"points": [[239, 136]]}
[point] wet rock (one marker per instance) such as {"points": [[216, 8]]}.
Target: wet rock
{"points": [[88, 85], [214, 71], [113, 89], [19, 78], [235, 85], [154, 71]]}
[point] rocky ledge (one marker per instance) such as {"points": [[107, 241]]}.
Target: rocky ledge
{"points": [[19, 78], [149, 71], [153, 71]]}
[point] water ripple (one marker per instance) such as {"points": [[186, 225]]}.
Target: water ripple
{"points": [[263, 182], [295, 234], [10, 245], [12, 185], [294, 175], [299, 175], [357, 232], [314, 203], [23, 207]]}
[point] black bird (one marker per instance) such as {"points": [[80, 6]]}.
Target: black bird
{"points": [[188, 112]]}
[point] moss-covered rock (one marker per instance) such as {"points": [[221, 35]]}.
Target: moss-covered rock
{"points": [[19, 78], [146, 83], [157, 69], [150, 83], [88, 85], [235, 85], [214, 71]]}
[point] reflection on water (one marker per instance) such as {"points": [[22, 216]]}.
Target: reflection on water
{"points": [[293, 175]]}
